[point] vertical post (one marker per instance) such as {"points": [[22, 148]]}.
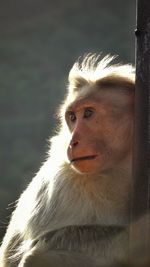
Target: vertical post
{"points": [[141, 151]]}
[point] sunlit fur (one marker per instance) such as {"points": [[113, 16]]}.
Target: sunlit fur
{"points": [[91, 72], [58, 196]]}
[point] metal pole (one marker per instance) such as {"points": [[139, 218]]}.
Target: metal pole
{"points": [[141, 151]]}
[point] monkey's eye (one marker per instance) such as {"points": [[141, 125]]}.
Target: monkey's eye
{"points": [[71, 116], [88, 112]]}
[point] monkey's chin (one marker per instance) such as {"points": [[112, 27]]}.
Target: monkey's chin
{"points": [[89, 164]]}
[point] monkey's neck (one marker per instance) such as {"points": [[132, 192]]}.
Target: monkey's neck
{"points": [[85, 199], [101, 199]]}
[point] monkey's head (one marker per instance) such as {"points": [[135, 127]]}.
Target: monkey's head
{"points": [[98, 112]]}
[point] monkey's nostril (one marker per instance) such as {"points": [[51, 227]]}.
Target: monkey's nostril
{"points": [[73, 144]]}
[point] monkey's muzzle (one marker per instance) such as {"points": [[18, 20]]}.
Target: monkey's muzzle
{"points": [[83, 158]]}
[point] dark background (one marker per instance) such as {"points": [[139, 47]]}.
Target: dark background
{"points": [[39, 42]]}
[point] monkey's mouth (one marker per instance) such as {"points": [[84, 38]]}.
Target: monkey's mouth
{"points": [[84, 158]]}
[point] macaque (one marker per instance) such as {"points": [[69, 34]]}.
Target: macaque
{"points": [[76, 210]]}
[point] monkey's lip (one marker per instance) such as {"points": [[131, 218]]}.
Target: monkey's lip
{"points": [[84, 158]]}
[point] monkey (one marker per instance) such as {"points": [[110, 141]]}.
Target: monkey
{"points": [[75, 211]]}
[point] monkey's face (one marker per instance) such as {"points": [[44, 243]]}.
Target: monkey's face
{"points": [[101, 130]]}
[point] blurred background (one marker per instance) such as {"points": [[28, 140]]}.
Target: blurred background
{"points": [[39, 42]]}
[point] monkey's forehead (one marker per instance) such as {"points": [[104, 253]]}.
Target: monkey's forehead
{"points": [[118, 98]]}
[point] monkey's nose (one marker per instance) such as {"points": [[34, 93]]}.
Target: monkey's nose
{"points": [[73, 144]]}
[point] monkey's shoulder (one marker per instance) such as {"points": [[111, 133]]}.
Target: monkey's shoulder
{"points": [[87, 239]]}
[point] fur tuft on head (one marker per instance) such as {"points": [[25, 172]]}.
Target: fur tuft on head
{"points": [[92, 69], [96, 72]]}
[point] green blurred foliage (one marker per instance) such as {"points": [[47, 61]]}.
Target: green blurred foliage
{"points": [[39, 41]]}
